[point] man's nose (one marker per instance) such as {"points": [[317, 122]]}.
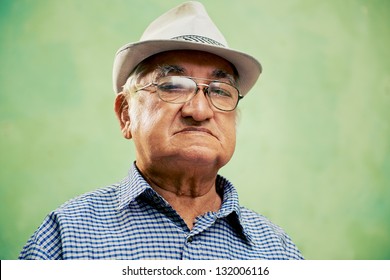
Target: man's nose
{"points": [[199, 107]]}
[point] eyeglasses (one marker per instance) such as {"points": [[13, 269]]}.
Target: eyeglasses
{"points": [[181, 89]]}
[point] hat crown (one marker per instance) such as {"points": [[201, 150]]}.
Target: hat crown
{"points": [[186, 27], [190, 22]]}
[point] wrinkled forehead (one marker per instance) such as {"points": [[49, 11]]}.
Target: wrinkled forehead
{"points": [[186, 62]]}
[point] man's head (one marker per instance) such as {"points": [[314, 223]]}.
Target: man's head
{"points": [[183, 50], [194, 132]]}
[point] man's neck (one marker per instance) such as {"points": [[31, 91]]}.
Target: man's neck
{"points": [[189, 193], [190, 207]]}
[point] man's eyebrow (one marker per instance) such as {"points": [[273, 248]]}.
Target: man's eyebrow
{"points": [[165, 70], [221, 74]]}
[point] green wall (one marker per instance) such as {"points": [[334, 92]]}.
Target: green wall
{"points": [[313, 150]]}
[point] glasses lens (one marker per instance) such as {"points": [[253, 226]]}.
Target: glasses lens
{"points": [[176, 89], [223, 96]]}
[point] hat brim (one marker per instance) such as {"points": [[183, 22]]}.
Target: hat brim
{"points": [[130, 55]]}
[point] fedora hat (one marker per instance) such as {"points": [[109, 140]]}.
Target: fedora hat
{"points": [[186, 27]]}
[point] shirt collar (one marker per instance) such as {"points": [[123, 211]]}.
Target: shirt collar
{"points": [[231, 207], [135, 184], [131, 187]]}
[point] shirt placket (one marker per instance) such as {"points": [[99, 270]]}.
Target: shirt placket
{"points": [[192, 249]]}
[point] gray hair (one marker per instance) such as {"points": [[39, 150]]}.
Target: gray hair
{"points": [[133, 81]]}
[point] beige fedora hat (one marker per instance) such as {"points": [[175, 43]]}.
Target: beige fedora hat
{"points": [[186, 27]]}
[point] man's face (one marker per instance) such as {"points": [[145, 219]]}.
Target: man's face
{"points": [[193, 134]]}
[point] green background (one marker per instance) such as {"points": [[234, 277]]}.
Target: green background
{"points": [[313, 151]]}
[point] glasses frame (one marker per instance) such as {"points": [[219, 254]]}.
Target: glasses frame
{"points": [[204, 89]]}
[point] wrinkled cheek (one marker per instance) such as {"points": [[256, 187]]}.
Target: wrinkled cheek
{"points": [[231, 142], [232, 147], [140, 130], [141, 125], [145, 127], [140, 115], [228, 145]]}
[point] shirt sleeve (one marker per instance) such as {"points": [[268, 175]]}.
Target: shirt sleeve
{"points": [[292, 251], [45, 244]]}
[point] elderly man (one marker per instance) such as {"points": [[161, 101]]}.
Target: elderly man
{"points": [[177, 91]]}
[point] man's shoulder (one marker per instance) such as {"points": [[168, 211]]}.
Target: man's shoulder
{"points": [[72, 220], [251, 214], [99, 198], [259, 224], [253, 218]]}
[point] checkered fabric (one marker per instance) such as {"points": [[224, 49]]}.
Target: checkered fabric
{"points": [[129, 220]]}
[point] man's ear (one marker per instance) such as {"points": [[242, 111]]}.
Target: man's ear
{"points": [[121, 108]]}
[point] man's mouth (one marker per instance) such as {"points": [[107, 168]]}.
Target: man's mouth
{"points": [[195, 129]]}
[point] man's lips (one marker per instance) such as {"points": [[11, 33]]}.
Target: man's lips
{"points": [[195, 129]]}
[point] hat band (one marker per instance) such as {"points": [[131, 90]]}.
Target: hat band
{"points": [[198, 39]]}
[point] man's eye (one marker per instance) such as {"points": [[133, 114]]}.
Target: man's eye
{"points": [[171, 87], [221, 92]]}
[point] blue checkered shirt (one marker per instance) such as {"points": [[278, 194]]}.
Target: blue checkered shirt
{"points": [[131, 221]]}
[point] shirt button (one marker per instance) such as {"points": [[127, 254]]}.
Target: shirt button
{"points": [[189, 239]]}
